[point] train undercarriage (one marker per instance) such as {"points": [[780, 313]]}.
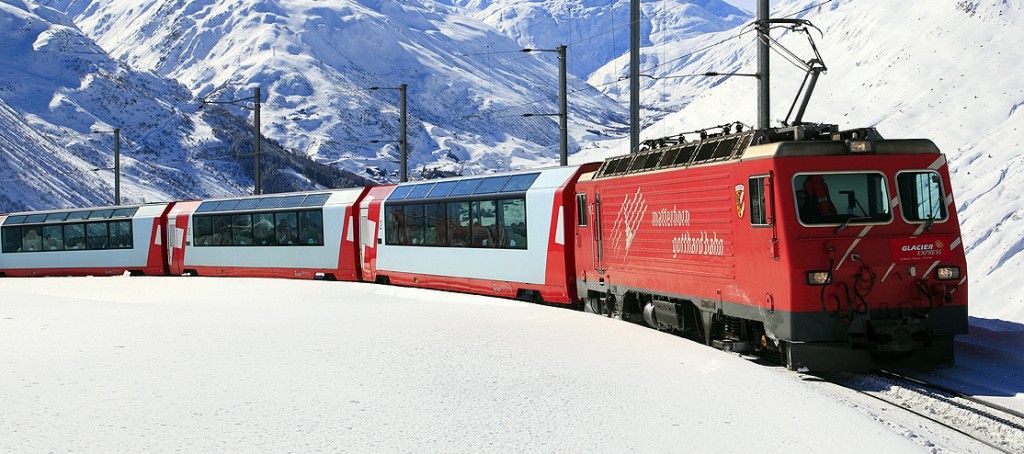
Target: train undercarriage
{"points": [[866, 343]]}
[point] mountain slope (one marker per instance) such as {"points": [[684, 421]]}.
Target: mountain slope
{"points": [[597, 31], [315, 60], [59, 88]]}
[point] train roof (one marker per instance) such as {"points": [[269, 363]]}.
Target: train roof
{"points": [[803, 140]]}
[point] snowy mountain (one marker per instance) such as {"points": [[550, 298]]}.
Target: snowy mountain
{"points": [[58, 89], [597, 31], [468, 85]]}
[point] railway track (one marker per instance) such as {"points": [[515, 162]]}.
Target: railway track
{"points": [[996, 426]]}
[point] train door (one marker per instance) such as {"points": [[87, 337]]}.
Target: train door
{"points": [[366, 232], [598, 234], [759, 189], [171, 243]]}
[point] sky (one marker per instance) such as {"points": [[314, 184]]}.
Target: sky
{"points": [[194, 364]]}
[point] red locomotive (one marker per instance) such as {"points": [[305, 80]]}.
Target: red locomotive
{"points": [[836, 249], [840, 250]]}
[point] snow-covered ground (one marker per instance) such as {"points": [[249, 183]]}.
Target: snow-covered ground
{"points": [[240, 365]]}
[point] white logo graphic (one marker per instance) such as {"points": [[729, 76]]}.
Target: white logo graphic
{"points": [[626, 223]]}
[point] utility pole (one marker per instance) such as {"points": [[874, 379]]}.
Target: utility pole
{"points": [[117, 166], [634, 75], [258, 168], [763, 69], [563, 103], [117, 162], [402, 138], [402, 133]]}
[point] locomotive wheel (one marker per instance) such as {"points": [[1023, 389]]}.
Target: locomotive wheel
{"points": [[594, 305]]}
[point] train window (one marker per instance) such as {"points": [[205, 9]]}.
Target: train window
{"points": [[263, 229], [53, 238], [842, 198], [518, 183], [581, 210], [74, 236], [227, 205], [12, 239], [921, 196], [512, 232], [395, 224], [292, 201], [755, 189], [311, 225], [248, 204], [15, 220], [400, 192], [316, 200], [420, 191], [466, 187], [435, 228], [77, 215], [241, 229], [267, 203], [286, 223], [96, 235], [485, 220], [414, 223], [125, 212], [203, 231], [56, 217], [101, 214], [221, 230], [491, 185], [35, 218], [32, 239], [458, 224], [204, 207], [121, 235], [442, 189]]}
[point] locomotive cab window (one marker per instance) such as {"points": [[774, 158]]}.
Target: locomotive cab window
{"points": [[759, 216], [581, 210], [841, 198], [921, 196]]}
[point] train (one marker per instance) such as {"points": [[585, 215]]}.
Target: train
{"points": [[827, 249]]}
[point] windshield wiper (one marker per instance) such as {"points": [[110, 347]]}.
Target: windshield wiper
{"points": [[928, 223], [848, 221]]}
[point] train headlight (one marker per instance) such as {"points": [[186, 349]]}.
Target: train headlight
{"points": [[819, 278], [947, 273], [859, 146]]}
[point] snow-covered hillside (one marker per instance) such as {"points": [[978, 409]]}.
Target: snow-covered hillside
{"points": [[944, 70], [59, 90], [597, 31], [468, 85]]}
